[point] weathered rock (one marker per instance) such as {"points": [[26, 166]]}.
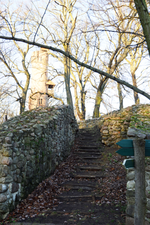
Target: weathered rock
{"points": [[6, 160], [3, 188], [131, 175], [3, 198], [131, 132], [131, 184]]}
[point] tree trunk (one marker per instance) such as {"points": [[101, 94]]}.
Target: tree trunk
{"points": [[98, 98], [83, 93], [120, 96], [140, 197], [136, 97], [79, 114], [143, 13], [22, 101], [67, 63], [98, 101]]}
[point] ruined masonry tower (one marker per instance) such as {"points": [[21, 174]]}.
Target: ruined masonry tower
{"points": [[41, 87]]}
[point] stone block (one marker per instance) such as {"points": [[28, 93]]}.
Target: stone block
{"points": [[129, 220], [147, 175], [3, 188], [131, 184], [8, 140], [140, 135], [131, 132], [130, 209], [130, 193], [148, 204], [3, 170], [6, 180], [105, 132], [4, 207], [3, 198], [15, 187], [20, 164], [6, 160], [7, 153], [147, 168]]}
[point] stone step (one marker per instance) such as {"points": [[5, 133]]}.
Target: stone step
{"points": [[85, 154], [91, 168], [88, 150], [78, 187], [89, 174], [88, 157], [88, 139], [79, 196], [76, 195], [87, 161], [76, 184], [88, 147]]}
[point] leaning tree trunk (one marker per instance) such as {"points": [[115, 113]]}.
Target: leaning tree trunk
{"points": [[98, 101], [98, 98], [143, 13]]}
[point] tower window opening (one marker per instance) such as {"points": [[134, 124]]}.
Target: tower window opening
{"points": [[50, 86], [40, 101]]}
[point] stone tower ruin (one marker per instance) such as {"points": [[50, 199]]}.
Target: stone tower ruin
{"points": [[41, 87]]}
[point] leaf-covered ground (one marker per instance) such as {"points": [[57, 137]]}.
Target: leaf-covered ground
{"points": [[44, 204]]}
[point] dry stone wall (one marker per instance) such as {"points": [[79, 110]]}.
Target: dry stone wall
{"points": [[31, 146], [114, 126]]}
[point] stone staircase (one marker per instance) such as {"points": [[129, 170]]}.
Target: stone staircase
{"points": [[78, 203], [88, 169]]}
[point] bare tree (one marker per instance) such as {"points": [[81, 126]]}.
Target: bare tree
{"points": [[39, 42], [64, 19], [83, 48], [14, 57], [134, 62], [119, 43]]}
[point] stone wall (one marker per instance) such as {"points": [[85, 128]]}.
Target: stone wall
{"points": [[31, 146], [114, 126]]}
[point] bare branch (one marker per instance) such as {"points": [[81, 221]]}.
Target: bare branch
{"points": [[41, 19], [67, 54]]}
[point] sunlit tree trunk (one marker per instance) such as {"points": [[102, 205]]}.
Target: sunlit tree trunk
{"points": [[83, 94], [136, 96], [120, 96], [98, 98], [67, 63]]}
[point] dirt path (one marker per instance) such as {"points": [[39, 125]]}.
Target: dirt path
{"points": [[89, 188]]}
